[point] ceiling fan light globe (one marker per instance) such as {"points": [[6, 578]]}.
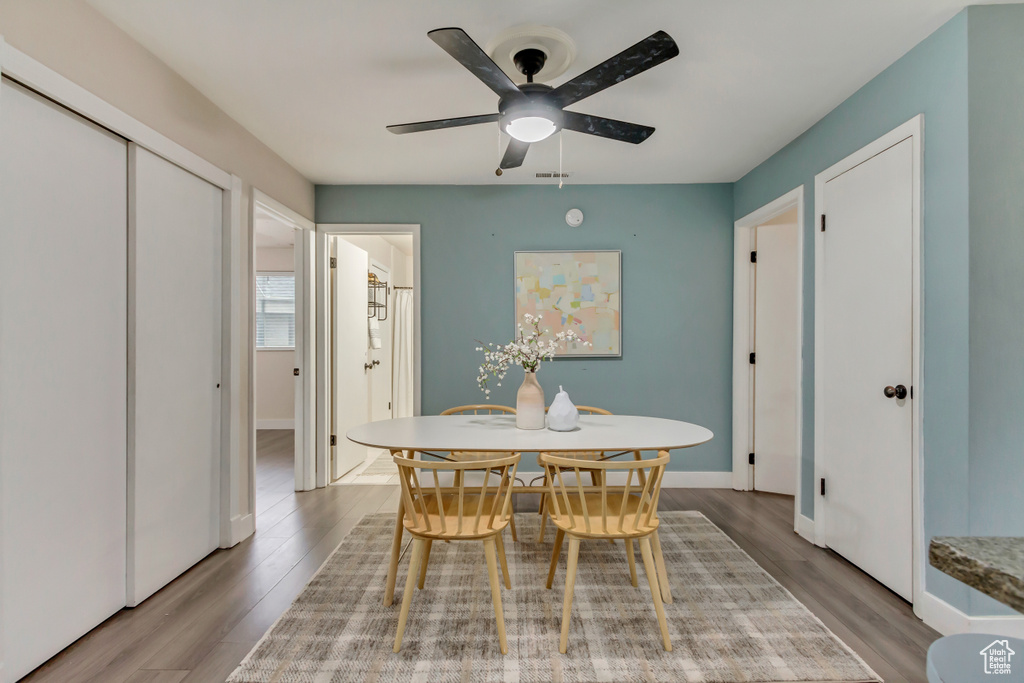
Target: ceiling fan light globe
{"points": [[530, 128]]}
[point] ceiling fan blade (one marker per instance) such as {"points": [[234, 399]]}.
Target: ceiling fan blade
{"points": [[648, 53], [606, 128], [459, 45], [515, 153], [400, 128]]}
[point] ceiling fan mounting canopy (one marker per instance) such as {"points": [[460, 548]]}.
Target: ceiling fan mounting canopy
{"points": [[529, 62], [533, 111]]}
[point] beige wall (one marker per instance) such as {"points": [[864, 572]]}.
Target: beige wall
{"points": [[76, 41], [275, 382]]}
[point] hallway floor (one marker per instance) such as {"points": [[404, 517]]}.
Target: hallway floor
{"points": [[198, 628]]}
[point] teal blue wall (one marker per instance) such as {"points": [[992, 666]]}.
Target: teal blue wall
{"points": [[676, 243], [930, 79], [996, 87]]}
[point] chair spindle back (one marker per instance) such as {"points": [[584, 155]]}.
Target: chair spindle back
{"points": [[629, 509], [462, 509]]}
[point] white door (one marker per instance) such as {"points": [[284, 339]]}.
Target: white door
{"points": [[175, 319], [380, 375], [351, 381], [868, 346], [63, 384], [777, 348]]}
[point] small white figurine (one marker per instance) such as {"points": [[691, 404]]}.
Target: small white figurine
{"points": [[562, 415]]}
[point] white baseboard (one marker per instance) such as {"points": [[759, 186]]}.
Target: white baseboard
{"points": [[947, 620], [275, 424], [242, 527], [805, 527]]}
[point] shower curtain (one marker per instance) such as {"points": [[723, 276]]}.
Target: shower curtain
{"points": [[401, 383]]}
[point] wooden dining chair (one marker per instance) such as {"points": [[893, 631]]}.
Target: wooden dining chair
{"points": [[602, 512], [462, 512], [465, 456], [582, 455]]}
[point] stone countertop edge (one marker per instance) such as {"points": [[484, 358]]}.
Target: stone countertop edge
{"points": [[992, 565]]}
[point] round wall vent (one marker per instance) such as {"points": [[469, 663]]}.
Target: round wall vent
{"points": [[558, 47]]}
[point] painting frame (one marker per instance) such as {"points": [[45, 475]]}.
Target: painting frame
{"points": [[615, 352]]}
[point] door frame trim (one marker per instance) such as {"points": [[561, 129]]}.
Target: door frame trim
{"points": [[305, 347], [320, 326], [742, 346], [914, 130]]}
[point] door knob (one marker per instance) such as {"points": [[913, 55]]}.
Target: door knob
{"points": [[367, 366], [899, 391], [376, 362]]}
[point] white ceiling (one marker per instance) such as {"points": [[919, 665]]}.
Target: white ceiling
{"points": [[317, 80], [269, 232]]}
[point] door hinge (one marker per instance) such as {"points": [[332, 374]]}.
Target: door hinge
{"points": [[823, 486], [389, 405], [751, 458], [334, 262], [334, 440], [295, 371], [753, 257], [823, 222], [753, 358], [911, 392]]}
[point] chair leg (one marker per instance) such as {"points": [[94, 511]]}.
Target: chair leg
{"points": [[570, 583], [414, 561], [559, 536], [396, 552], [652, 581], [631, 558], [659, 561], [504, 562], [512, 524], [492, 574], [543, 519], [423, 564]]}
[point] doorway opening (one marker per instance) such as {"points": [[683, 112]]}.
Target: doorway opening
{"points": [[368, 329], [281, 355], [767, 338]]}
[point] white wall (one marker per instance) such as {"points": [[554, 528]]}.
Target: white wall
{"points": [[275, 383]]}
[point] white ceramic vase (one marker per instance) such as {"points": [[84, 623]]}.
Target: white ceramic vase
{"points": [[530, 403]]}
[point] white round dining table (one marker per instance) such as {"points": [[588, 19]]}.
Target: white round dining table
{"points": [[498, 433]]}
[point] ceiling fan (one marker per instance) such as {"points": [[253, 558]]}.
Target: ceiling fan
{"points": [[533, 111]]}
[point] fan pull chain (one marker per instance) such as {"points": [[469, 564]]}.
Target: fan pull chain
{"points": [[559, 160], [497, 171]]}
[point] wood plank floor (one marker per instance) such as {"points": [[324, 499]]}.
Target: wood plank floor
{"points": [[198, 628]]}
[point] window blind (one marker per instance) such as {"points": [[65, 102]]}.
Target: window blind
{"points": [[275, 311]]}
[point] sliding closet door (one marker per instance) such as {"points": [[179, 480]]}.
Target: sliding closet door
{"points": [[175, 231], [63, 329]]}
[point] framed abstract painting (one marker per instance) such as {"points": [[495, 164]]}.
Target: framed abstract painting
{"points": [[579, 290]]}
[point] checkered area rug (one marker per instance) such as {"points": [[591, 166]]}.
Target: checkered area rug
{"points": [[730, 621]]}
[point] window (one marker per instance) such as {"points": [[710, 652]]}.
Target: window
{"points": [[275, 310]]}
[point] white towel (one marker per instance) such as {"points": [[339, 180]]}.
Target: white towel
{"points": [[375, 342]]}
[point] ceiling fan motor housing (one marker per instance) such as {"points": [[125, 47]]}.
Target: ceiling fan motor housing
{"points": [[536, 104]]}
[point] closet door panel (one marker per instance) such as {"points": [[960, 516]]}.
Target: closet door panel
{"points": [[63, 383], [175, 232]]}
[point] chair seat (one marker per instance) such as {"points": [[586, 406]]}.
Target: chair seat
{"points": [[627, 529], [470, 505]]}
